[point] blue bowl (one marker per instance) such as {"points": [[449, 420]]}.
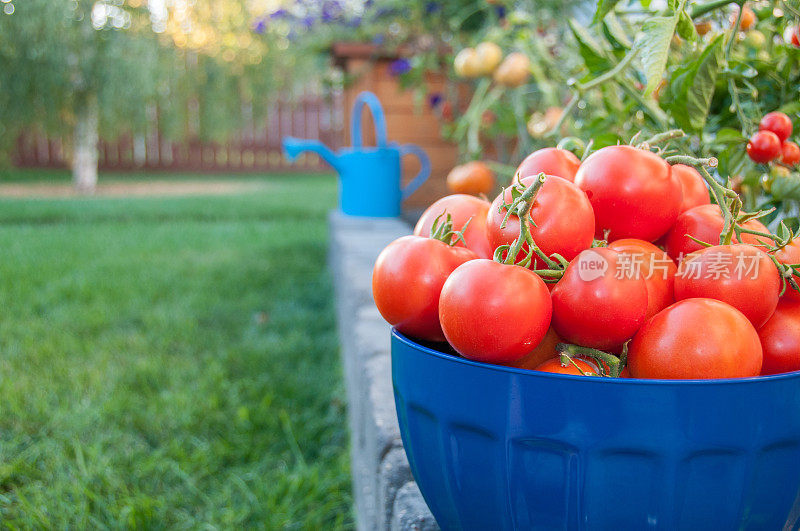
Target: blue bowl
{"points": [[495, 447]]}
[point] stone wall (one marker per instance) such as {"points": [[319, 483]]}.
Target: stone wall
{"points": [[386, 496]]}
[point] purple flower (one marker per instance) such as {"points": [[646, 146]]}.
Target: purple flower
{"points": [[280, 13], [378, 40], [331, 11], [399, 67], [260, 26], [354, 23], [500, 11], [308, 22], [435, 99]]}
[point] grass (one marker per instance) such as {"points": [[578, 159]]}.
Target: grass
{"points": [[171, 363]]}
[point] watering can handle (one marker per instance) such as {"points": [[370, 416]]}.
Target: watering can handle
{"points": [[424, 172], [370, 100]]}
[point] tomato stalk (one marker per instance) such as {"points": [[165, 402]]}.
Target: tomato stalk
{"points": [[521, 206], [615, 364], [443, 230], [660, 138]]}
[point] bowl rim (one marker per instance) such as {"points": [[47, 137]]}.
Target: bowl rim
{"points": [[528, 373]]}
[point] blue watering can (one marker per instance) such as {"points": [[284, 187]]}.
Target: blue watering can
{"points": [[369, 176]]}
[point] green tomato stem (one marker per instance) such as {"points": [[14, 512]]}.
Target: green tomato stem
{"points": [[614, 363]]}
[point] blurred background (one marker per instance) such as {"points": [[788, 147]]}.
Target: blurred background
{"points": [[168, 349]]}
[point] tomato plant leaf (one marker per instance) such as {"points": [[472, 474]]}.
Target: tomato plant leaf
{"points": [[593, 54], [604, 7], [653, 44], [686, 27], [693, 87], [615, 33]]}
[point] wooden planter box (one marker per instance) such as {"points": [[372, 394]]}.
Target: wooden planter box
{"points": [[408, 121]]}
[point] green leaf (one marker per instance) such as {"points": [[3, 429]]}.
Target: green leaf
{"points": [[693, 87], [653, 44], [615, 33], [604, 7], [594, 55], [686, 27], [728, 135]]}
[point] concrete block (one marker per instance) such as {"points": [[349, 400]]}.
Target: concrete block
{"points": [[410, 511]]}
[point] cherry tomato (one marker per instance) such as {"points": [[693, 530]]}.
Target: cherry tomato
{"points": [[494, 312], [655, 267], [563, 218], [790, 255], [595, 304], [764, 146], [696, 339], [705, 223], [407, 280], [702, 27], [695, 190], [471, 178], [462, 208], [632, 191], [513, 71], [545, 350], [777, 122], [739, 275], [790, 153], [780, 339], [554, 365], [467, 63], [551, 161], [489, 56], [796, 37]]}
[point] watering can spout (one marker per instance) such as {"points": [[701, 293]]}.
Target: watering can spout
{"points": [[293, 147]]}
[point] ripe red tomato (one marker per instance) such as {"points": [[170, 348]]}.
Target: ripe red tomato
{"points": [[790, 153], [796, 37], [764, 146], [780, 339], [563, 218], [695, 191], [407, 280], [696, 339], [595, 304], [551, 161], [705, 223], [777, 122], [739, 275], [790, 255], [655, 267], [461, 207], [494, 312], [554, 365], [632, 191], [545, 350]]}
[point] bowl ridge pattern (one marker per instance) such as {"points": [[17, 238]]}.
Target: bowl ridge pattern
{"points": [[497, 448]]}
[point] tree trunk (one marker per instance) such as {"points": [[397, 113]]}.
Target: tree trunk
{"points": [[85, 154]]}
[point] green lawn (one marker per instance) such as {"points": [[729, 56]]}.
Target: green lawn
{"points": [[171, 363]]}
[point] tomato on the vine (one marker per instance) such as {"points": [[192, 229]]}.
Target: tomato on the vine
{"points": [[462, 208], [704, 223], [789, 255], [741, 275], [778, 123], [632, 191], [472, 178], [695, 190], [545, 350], [584, 367], [764, 147], [407, 281], [596, 303], [780, 339], [550, 161], [563, 220], [655, 267], [696, 339], [790, 153], [494, 312]]}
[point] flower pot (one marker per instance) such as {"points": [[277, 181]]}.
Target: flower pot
{"points": [[494, 447]]}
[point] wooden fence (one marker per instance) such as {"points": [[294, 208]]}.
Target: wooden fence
{"points": [[253, 149]]}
